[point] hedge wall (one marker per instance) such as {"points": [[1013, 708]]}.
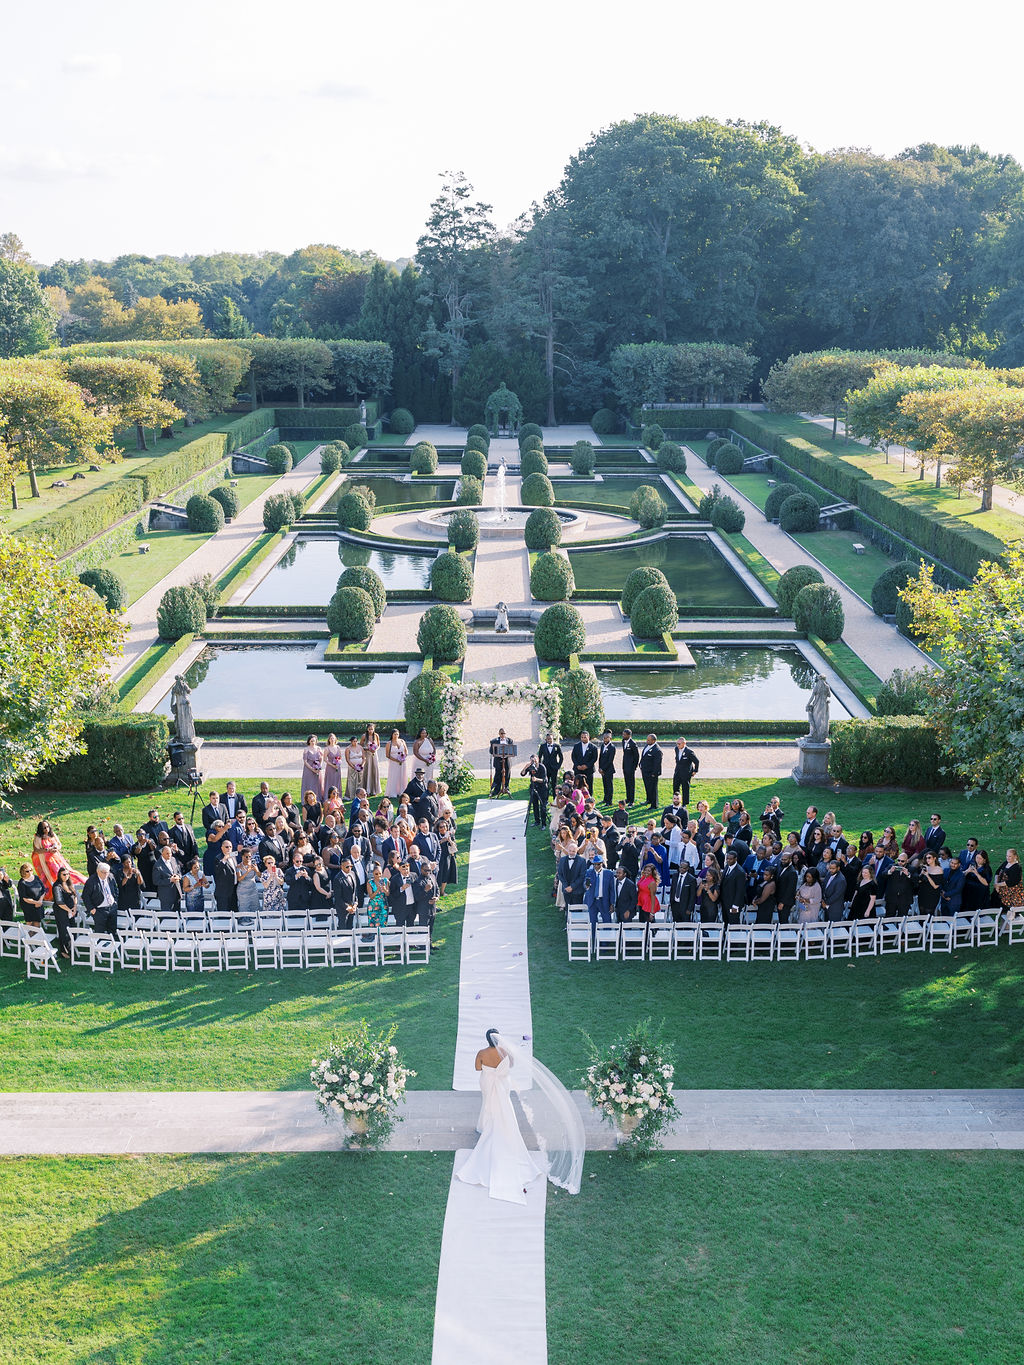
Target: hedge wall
{"points": [[886, 751], [122, 750], [76, 522], [324, 417]]}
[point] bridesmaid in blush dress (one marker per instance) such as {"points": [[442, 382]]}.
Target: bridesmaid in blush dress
{"points": [[397, 754], [332, 764], [371, 743], [354, 763], [312, 770]]}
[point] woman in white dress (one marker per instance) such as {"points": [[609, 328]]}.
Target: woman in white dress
{"points": [[396, 753], [423, 748]]}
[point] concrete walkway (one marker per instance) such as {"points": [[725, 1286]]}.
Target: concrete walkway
{"points": [[117, 1122]]}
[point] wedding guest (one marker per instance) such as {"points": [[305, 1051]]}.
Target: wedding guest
{"points": [[247, 889], [978, 882], [333, 761], [167, 880], [312, 809], [914, 842], [48, 859], [225, 880], [129, 884], [272, 881], [250, 840], [833, 892], [312, 779], [193, 885], [99, 896], [376, 905], [647, 894], [929, 884], [899, 888], [214, 812], [862, 906], [234, 802], [650, 770], [371, 746], [425, 753], [953, 887], [321, 896], [290, 813], [355, 761], [183, 838], [6, 897], [64, 908], [144, 854], [396, 754], [333, 804], [773, 815], [119, 844], [765, 895], [1009, 886], [298, 884]]}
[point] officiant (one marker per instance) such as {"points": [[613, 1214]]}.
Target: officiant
{"points": [[501, 750]]}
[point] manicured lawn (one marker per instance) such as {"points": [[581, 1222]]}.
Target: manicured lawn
{"points": [[756, 1259], [167, 549], [835, 550], [230, 1030], [284, 1260]]}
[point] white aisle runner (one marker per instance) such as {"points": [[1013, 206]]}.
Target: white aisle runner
{"points": [[494, 973]]}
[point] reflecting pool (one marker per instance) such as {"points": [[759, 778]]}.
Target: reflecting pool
{"points": [[609, 491], [307, 573], [696, 570], [393, 492]]}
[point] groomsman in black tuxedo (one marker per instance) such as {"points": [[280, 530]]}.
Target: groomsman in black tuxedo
{"points": [[550, 754], [630, 763], [650, 769], [584, 760], [685, 765], [606, 765]]}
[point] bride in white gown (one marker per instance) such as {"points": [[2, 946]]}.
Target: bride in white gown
{"points": [[501, 1161]]}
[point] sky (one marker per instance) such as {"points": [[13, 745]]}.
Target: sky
{"points": [[228, 126]]}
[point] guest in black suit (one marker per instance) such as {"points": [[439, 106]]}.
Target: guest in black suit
{"points": [[425, 806], [265, 805], [899, 889], [630, 849], [682, 894], [610, 839], [625, 896], [167, 880], [630, 763], [833, 892], [584, 760], [345, 893], [650, 770], [684, 766], [934, 835], [606, 767], [225, 880], [99, 896], [808, 828], [734, 890], [154, 826], [786, 886], [572, 870], [550, 754], [401, 897], [234, 802], [298, 885], [184, 840], [537, 775], [424, 898], [213, 811]]}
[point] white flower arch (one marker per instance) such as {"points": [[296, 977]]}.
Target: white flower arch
{"points": [[546, 697]]}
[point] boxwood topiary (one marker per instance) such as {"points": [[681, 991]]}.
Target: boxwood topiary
{"points": [[204, 514], [424, 696], [181, 612], [605, 423], [798, 513], [529, 429], [551, 578], [107, 586], [543, 529], [279, 458], [205, 585], [818, 610], [647, 507], [441, 634], [652, 436], [714, 447], [886, 751], [474, 462], [886, 587], [582, 703], [729, 459], [360, 576], [298, 503], [638, 579], [451, 577], [536, 491], [228, 499], [354, 512], [672, 456], [356, 436], [330, 459], [350, 614], [655, 610], [478, 443], [463, 530], [278, 512], [532, 462], [791, 582], [906, 692], [728, 515], [478, 429], [364, 491], [582, 458], [776, 497], [471, 491], [402, 422], [531, 443], [559, 633], [423, 459]]}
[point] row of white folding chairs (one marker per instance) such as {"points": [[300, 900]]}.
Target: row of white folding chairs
{"points": [[266, 921], [34, 946], [228, 952]]}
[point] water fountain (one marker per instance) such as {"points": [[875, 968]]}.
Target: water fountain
{"points": [[500, 515]]}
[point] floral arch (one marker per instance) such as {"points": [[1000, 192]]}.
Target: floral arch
{"points": [[545, 697], [503, 401]]}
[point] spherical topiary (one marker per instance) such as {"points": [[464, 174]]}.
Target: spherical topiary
{"points": [[729, 459], [560, 632], [582, 703], [531, 443], [279, 458], [298, 503], [791, 582], [672, 456], [228, 499], [478, 429], [350, 614], [364, 491], [471, 491], [474, 462], [583, 458], [638, 579], [776, 497], [451, 577], [359, 576], [551, 578], [714, 447], [424, 697], [536, 491], [818, 610], [423, 459], [206, 586], [543, 529], [605, 423], [441, 634], [278, 512], [904, 619], [652, 436], [886, 588], [480, 443], [647, 507], [330, 460], [181, 612], [204, 514], [529, 429], [800, 512], [356, 436], [655, 610], [463, 530], [728, 515], [107, 586], [354, 512], [402, 422], [533, 462]]}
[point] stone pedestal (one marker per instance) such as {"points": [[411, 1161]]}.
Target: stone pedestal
{"points": [[184, 758], [812, 766]]}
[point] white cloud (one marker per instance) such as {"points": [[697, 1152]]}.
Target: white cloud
{"points": [[106, 64], [339, 90]]}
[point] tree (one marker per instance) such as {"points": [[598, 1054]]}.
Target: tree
{"points": [[455, 229], [229, 320], [26, 319], [818, 382], [43, 415], [56, 639], [979, 429], [154, 319], [976, 704], [125, 390], [10, 468], [876, 409], [290, 363]]}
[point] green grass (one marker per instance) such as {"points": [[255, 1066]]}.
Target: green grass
{"points": [[231, 1030], [167, 549], [835, 550], [285, 1260], [758, 1259]]}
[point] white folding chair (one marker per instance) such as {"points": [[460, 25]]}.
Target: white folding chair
{"points": [[296, 922], [986, 928], [183, 953], [316, 949], [762, 942], [633, 942], [194, 924], [685, 942], [711, 940], [104, 953], [222, 924], [158, 952], [11, 939], [210, 952], [236, 952], [813, 941], [40, 956], [1013, 925], [134, 951], [392, 946], [914, 930], [788, 938], [340, 947], [81, 944], [606, 942], [890, 935], [145, 923], [321, 919], [659, 942], [290, 949], [367, 947], [417, 943], [168, 923], [578, 941], [737, 943], [840, 938], [865, 937], [940, 934], [963, 929], [271, 921], [264, 950]]}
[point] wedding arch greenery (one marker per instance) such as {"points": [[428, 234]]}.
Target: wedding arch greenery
{"points": [[503, 400], [544, 696]]}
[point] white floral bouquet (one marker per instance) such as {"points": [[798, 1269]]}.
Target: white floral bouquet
{"points": [[362, 1079], [630, 1083]]}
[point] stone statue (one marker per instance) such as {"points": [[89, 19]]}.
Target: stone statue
{"points": [[817, 710], [362, 411], [501, 620], [184, 724]]}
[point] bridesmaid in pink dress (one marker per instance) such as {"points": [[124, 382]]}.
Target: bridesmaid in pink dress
{"points": [[332, 764], [371, 776], [312, 769], [48, 860]]}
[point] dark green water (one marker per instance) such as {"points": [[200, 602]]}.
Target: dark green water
{"points": [[394, 492], [695, 570], [307, 574]]}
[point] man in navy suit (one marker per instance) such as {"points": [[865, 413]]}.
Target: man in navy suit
{"points": [[428, 844], [598, 893], [953, 888], [968, 854], [934, 835]]}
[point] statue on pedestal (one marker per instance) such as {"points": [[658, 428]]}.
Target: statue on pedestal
{"points": [[817, 710], [501, 620], [184, 723]]}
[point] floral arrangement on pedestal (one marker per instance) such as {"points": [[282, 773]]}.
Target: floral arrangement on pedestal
{"points": [[630, 1083], [546, 697], [362, 1079]]}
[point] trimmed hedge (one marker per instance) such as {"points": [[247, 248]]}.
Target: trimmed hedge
{"points": [[350, 614], [278, 512], [799, 513], [583, 458], [671, 456], [886, 587], [605, 422], [776, 497], [648, 507], [228, 499], [531, 443], [359, 576], [471, 492], [791, 582], [886, 751], [713, 448], [463, 530], [122, 749], [533, 462], [559, 633], [551, 577], [355, 436], [478, 429], [655, 610], [905, 693], [652, 436], [818, 610], [451, 577], [423, 459], [442, 634], [279, 458], [729, 459], [424, 696], [645, 576], [480, 443], [330, 460], [78, 521], [474, 462], [728, 516], [537, 491], [354, 512], [402, 422], [543, 529], [206, 586], [529, 429], [107, 587], [582, 703], [181, 612]]}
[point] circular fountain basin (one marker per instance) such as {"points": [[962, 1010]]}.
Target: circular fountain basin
{"points": [[508, 524]]}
